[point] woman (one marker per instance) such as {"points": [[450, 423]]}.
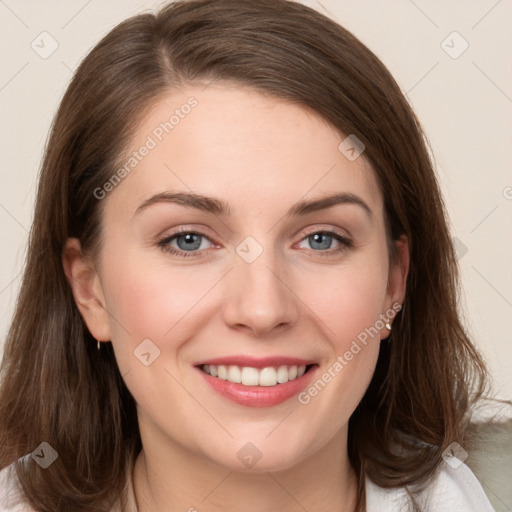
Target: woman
{"points": [[240, 288]]}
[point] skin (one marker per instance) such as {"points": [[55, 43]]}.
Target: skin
{"points": [[261, 155]]}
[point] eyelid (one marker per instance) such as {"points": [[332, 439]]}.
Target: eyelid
{"points": [[164, 241], [203, 231], [325, 229], [345, 241]]}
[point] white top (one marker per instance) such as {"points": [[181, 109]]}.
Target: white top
{"points": [[453, 490]]}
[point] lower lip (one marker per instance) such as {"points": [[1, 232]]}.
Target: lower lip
{"points": [[259, 396]]}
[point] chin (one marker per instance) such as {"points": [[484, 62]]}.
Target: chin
{"points": [[258, 457]]}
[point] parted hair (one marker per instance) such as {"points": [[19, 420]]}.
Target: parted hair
{"points": [[57, 388]]}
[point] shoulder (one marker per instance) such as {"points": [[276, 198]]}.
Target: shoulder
{"points": [[452, 489], [10, 496]]}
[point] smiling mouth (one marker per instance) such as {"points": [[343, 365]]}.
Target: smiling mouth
{"points": [[250, 376]]}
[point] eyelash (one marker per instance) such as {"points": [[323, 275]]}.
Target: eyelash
{"points": [[345, 243]]}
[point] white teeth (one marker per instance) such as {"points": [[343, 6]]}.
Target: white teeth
{"points": [[234, 374], [282, 375], [222, 372], [268, 377], [249, 376]]}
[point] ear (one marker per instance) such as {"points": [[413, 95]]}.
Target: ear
{"points": [[87, 290], [398, 272]]}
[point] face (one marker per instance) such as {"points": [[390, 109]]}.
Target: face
{"points": [[254, 316]]}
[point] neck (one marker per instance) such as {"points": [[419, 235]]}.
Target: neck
{"points": [[174, 478]]}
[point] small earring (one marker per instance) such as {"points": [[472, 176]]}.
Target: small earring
{"points": [[99, 346], [388, 326]]}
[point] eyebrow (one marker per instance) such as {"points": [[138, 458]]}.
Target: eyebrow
{"points": [[219, 207]]}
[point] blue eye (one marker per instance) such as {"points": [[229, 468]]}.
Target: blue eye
{"points": [[188, 243], [321, 241]]}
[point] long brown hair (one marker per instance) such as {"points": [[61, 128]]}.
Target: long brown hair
{"points": [[57, 388]]}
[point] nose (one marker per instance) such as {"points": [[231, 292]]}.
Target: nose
{"points": [[259, 299]]}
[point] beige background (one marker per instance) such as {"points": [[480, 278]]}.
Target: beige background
{"points": [[464, 103]]}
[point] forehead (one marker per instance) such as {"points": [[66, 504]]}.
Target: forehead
{"points": [[255, 151]]}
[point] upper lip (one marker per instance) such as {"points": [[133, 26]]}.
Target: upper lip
{"points": [[256, 362]]}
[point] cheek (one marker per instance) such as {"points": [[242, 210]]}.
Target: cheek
{"points": [[349, 299], [349, 304], [153, 300], [349, 307]]}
